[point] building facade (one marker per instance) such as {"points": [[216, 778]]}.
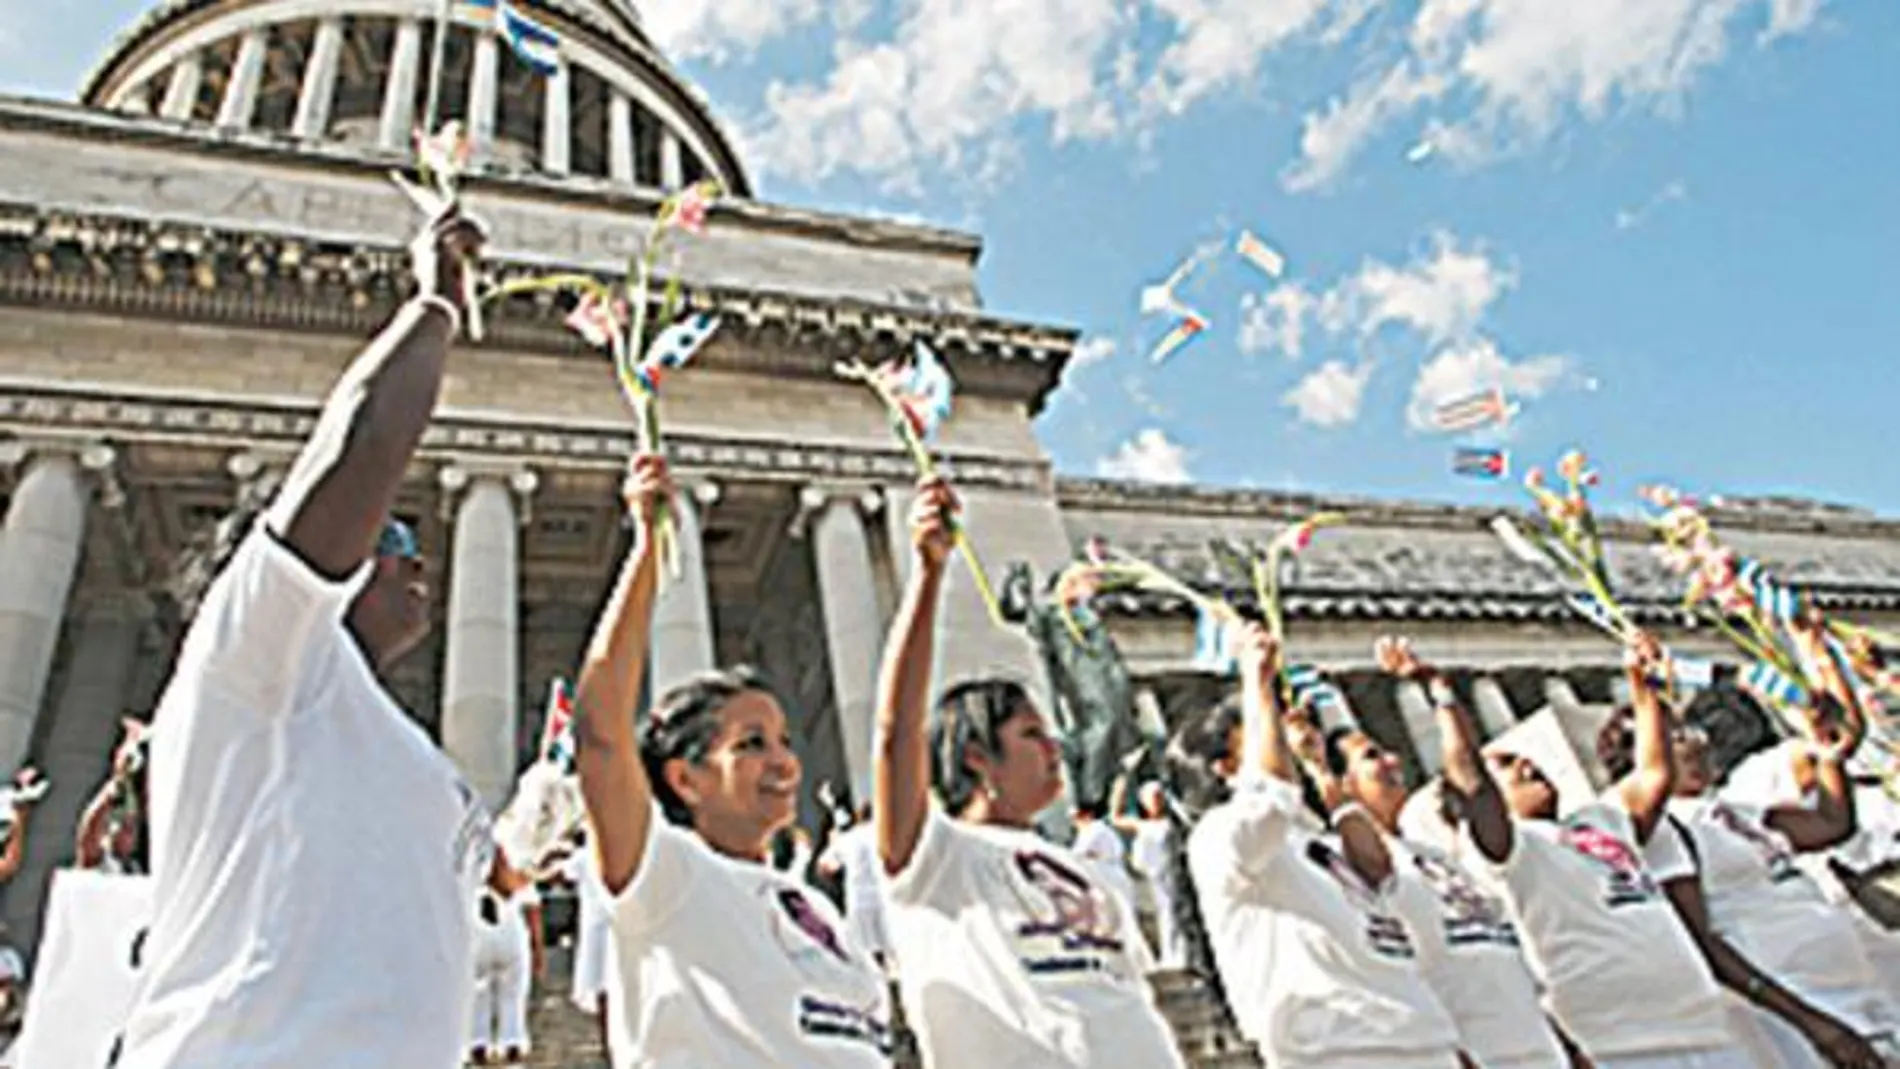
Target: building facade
{"points": [[192, 252]]}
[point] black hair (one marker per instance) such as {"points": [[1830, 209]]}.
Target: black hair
{"points": [[1092, 810], [208, 552], [683, 725], [970, 713], [1335, 748], [1193, 786], [1616, 742]]}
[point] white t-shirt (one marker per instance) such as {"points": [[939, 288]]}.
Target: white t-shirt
{"points": [[313, 853], [1319, 970], [1764, 905], [1098, 843], [1471, 957], [1620, 973], [733, 964], [1012, 957]]}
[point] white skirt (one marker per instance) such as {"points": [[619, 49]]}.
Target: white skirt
{"points": [[593, 957]]}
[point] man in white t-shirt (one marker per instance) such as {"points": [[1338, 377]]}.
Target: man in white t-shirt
{"points": [[285, 781]]}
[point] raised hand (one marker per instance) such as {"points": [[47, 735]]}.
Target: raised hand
{"points": [[1397, 658], [647, 486], [1257, 651], [448, 246], [1645, 658], [932, 514]]}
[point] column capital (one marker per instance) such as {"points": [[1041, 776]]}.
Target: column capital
{"points": [[458, 476], [814, 499], [97, 460]]}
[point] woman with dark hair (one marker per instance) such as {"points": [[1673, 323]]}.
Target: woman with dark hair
{"points": [[722, 960], [1009, 953], [111, 835], [1148, 834], [1316, 969], [1620, 975], [1768, 932]]}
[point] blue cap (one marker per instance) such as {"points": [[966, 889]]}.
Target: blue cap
{"points": [[398, 540]]}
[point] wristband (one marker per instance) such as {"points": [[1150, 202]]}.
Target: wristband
{"points": [[1340, 814], [446, 307]]}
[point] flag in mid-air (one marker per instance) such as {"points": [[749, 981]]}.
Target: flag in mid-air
{"points": [[1482, 463], [1473, 411]]}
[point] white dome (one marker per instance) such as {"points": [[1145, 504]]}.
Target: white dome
{"points": [[358, 72]]}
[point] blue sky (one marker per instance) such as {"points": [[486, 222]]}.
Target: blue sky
{"points": [[1668, 227]]}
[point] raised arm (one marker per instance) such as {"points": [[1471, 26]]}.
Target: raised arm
{"points": [[15, 851], [341, 489], [1465, 773], [89, 842], [1360, 836], [1645, 791], [1264, 750], [900, 778], [1835, 1041], [614, 784]]}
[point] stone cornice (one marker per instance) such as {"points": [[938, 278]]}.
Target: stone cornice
{"points": [[30, 409], [193, 273], [59, 117], [1112, 495]]}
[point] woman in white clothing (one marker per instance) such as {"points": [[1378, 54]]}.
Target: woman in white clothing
{"points": [[593, 939], [1011, 956], [1099, 842], [1148, 834], [1620, 975], [1768, 932], [1316, 966], [508, 958], [1468, 947], [722, 960]]}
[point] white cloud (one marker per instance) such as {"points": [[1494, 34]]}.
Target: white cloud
{"points": [[1463, 371], [1148, 457], [1788, 17], [1276, 321], [1217, 44], [1332, 395], [719, 30], [1091, 351], [1502, 73], [941, 94], [1443, 295]]}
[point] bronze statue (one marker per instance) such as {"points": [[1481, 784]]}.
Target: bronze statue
{"points": [[1094, 697]]}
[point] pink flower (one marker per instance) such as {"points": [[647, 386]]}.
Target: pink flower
{"points": [[599, 321], [1534, 479], [689, 209], [1570, 467]]}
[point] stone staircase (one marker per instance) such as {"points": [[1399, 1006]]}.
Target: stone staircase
{"points": [[567, 1039]]}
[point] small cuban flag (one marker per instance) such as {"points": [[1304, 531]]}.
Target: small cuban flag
{"points": [[557, 730], [538, 47], [924, 390], [1773, 685], [678, 344], [1310, 688], [1213, 652], [1488, 464]]}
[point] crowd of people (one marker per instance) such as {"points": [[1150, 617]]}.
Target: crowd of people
{"points": [[1345, 920]]}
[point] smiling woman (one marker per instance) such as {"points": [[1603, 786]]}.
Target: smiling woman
{"points": [[723, 959]]}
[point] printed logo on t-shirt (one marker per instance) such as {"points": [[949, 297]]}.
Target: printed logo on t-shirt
{"points": [[1386, 935], [1471, 916], [1067, 913], [808, 922], [825, 1018], [1626, 882]]}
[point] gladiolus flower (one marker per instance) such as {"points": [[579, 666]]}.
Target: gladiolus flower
{"points": [[1571, 466]]}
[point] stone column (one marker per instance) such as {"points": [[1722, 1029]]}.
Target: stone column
{"points": [[854, 632], [1148, 714], [247, 75], [1561, 695], [672, 169], [181, 93], [1421, 723], [682, 616], [484, 86], [399, 93], [557, 125], [1494, 711], [481, 670], [39, 557], [1620, 690], [319, 80], [77, 747], [620, 138]]}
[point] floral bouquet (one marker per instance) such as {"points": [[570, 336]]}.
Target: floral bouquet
{"points": [[1567, 544], [442, 159], [1266, 568], [918, 394], [615, 318]]}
